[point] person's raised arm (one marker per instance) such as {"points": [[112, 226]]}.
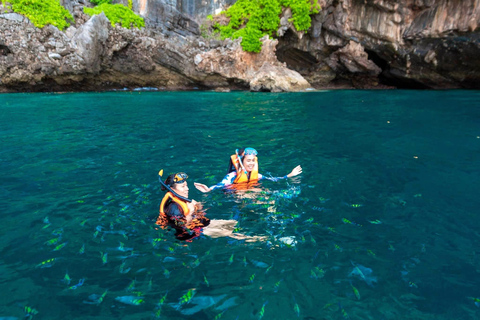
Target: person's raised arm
{"points": [[227, 180], [295, 172], [201, 187]]}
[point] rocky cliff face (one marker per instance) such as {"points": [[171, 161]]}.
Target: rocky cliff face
{"points": [[90, 56], [412, 43], [352, 43], [93, 55]]}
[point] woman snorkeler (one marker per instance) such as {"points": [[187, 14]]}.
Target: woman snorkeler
{"points": [[186, 216], [243, 171]]}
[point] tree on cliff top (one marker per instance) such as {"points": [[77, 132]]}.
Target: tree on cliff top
{"points": [[42, 12], [116, 13], [252, 19]]}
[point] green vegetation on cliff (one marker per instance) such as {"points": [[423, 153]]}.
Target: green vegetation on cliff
{"points": [[252, 19], [42, 12], [99, 2], [116, 13]]}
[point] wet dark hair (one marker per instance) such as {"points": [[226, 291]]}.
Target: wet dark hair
{"points": [[169, 181]]}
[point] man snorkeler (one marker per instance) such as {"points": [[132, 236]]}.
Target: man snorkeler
{"points": [[187, 217]]}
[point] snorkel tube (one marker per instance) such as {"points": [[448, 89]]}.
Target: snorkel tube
{"points": [[241, 163], [160, 173]]}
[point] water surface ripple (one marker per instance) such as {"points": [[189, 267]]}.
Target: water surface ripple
{"points": [[382, 224]]}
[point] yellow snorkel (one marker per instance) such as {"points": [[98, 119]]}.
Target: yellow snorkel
{"points": [[241, 163]]}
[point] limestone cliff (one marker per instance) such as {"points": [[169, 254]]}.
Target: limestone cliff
{"points": [[93, 55], [411, 43], [352, 43]]}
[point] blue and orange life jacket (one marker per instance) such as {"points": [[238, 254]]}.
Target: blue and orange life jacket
{"points": [[162, 219], [242, 175], [194, 227]]}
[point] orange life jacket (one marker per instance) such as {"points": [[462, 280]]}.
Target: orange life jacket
{"points": [[162, 219], [242, 175]]}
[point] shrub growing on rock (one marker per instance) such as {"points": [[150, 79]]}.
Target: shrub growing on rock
{"points": [[301, 11], [117, 13], [42, 12], [98, 2], [252, 19]]}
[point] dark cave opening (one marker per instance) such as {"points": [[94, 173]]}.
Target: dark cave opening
{"points": [[295, 59], [391, 77]]}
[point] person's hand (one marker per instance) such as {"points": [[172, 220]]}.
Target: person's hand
{"points": [[192, 206], [203, 188], [295, 172]]}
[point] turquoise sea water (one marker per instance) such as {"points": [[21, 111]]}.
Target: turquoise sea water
{"points": [[382, 224]]}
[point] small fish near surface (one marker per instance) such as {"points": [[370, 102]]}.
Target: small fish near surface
{"points": [[355, 291], [259, 264], [261, 313], [78, 285], [296, 308], [66, 279], [187, 296], [230, 302], [353, 205], [166, 273], [476, 301], [206, 280], [60, 246], [344, 313], [51, 241], [95, 299], [169, 259], [317, 273], [130, 300], [346, 221], [363, 273], [29, 312], [47, 263], [122, 268], [198, 304], [104, 257], [276, 286], [122, 247]]}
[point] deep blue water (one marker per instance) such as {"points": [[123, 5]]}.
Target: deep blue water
{"points": [[382, 224]]}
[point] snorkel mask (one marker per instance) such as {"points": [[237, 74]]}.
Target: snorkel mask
{"points": [[180, 177], [249, 151]]}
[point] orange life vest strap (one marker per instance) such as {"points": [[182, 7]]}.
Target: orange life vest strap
{"points": [[162, 218]]}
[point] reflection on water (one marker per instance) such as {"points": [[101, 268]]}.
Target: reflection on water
{"points": [[381, 225]]}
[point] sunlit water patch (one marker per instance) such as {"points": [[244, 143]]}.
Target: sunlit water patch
{"points": [[382, 224]]}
